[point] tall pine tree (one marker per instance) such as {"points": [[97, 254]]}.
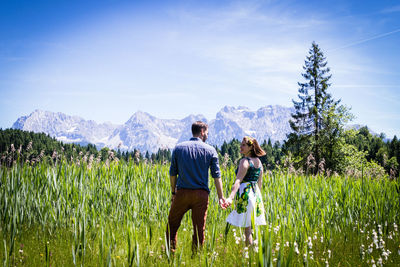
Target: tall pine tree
{"points": [[318, 118]]}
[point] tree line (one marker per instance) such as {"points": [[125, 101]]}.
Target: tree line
{"points": [[360, 150], [29, 147]]}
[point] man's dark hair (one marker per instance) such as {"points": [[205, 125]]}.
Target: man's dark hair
{"points": [[197, 126]]}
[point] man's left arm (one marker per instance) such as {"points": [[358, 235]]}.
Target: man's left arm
{"points": [[216, 174], [173, 172]]}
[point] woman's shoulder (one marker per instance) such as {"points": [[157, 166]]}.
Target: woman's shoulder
{"points": [[256, 162]]}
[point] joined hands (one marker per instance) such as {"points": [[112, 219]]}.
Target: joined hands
{"points": [[225, 202]]}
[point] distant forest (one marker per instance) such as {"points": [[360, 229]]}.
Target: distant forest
{"points": [[29, 147]]}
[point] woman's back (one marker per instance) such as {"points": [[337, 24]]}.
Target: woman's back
{"points": [[253, 172]]}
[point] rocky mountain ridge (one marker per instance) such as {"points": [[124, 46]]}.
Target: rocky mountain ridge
{"points": [[148, 133]]}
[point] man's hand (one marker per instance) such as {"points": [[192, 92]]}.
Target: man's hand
{"points": [[228, 201], [222, 203]]}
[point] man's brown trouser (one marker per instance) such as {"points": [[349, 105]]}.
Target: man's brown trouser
{"points": [[186, 199]]}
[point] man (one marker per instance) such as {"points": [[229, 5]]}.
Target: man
{"points": [[190, 163]]}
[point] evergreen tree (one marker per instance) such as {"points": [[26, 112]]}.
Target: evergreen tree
{"points": [[318, 118]]}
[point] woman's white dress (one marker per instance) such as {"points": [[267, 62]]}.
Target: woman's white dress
{"points": [[248, 202]]}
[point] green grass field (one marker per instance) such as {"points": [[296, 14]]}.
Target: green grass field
{"points": [[70, 214]]}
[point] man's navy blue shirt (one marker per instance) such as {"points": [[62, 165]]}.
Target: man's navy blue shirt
{"points": [[191, 161]]}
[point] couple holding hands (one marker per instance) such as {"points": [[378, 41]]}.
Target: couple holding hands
{"points": [[190, 165]]}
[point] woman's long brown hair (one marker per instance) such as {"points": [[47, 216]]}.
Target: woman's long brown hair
{"points": [[256, 151]]}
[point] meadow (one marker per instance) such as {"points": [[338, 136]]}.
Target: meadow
{"points": [[114, 214]]}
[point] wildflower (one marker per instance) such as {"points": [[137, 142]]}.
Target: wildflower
{"points": [[20, 251], [287, 244], [311, 254], [380, 263], [246, 254], [184, 229], [255, 248], [385, 254], [309, 243], [329, 253], [395, 227], [322, 239], [296, 248], [370, 248], [381, 243], [362, 252], [326, 263]]}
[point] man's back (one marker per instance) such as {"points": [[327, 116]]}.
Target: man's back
{"points": [[191, 161]]}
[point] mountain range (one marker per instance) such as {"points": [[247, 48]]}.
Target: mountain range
{"points": [[147, 133]]}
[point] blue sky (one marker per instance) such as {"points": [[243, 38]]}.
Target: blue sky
{"points": [[105, 60]]}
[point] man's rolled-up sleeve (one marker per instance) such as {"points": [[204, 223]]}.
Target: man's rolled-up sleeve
{"points": [[214, 166], [173, 170]]}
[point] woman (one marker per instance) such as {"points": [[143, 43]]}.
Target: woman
{"points": [[248, 201]]}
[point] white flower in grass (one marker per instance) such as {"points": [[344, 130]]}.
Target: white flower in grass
{"points": [[370, 248], [255, 248], [385, 254], [296, 248], [309, 244], [395, 227], [380, 262], [246, 254], [322, 239], [275, 259], [326, 263], [287, 244], [184, 229], [311, 254], [329, 253], [277, 246]]}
